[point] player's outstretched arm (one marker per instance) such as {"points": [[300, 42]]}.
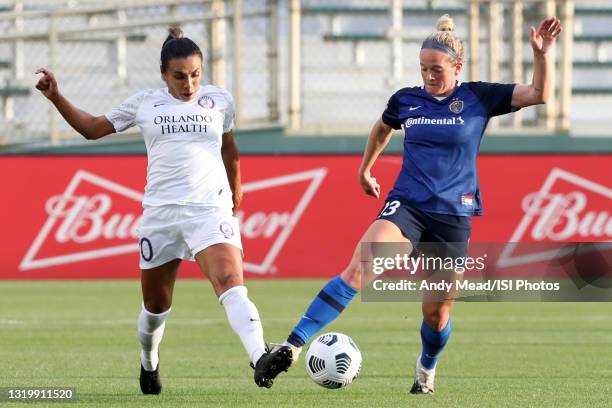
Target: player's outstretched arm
{"points": [[231, 161], [377, 140], [91, 127], [542, 40]]}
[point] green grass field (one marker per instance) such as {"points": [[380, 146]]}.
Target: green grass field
{"points": [[83, 334]]}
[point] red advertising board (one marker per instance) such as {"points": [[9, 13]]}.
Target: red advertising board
{"points": [[75, 217]]}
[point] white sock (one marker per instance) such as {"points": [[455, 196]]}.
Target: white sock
{"points": [[150, 331], [244, 319]]}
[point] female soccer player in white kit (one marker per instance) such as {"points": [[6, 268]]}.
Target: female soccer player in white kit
{"points": [[193, 182]]}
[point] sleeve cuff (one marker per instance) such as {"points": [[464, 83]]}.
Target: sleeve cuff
{"points": [[395, 124]]}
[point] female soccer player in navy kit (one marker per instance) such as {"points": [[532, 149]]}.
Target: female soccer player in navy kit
{"points": [[436, 192], [193, 182]]}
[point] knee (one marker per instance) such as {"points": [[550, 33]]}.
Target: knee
{"points": [[352, 275], [225, 281]]}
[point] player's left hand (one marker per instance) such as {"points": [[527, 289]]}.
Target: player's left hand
{"points": [[544, 38]]}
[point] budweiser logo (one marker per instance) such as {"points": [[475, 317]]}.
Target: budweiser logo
{"points": [[266, 230], [84, 216], [83, 219], [559, 217], [86, 219], [567, 208]]}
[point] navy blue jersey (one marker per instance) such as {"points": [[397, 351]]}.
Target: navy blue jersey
{"points": [[442, 138]]}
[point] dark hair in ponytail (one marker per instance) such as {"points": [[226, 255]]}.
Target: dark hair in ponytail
{"points": [[177, 46]]}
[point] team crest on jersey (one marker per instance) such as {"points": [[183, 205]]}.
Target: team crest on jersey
{"points": [[226, 229], [206, 102], [456, 106]]}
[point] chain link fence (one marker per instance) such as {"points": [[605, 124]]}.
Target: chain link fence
{"points": [[347, 85], [356, 67], [346, 67], [102, 53]]}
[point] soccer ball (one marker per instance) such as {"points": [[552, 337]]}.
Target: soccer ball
{"points": [[333, 360]]}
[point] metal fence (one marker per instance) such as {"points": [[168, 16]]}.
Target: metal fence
{"points": [[102, 53], [369, 49], [355, 54], [312, 66]]}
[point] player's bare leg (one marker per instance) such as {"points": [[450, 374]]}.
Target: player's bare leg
{"points": [[379, 232], [223, 265], [339, 291], [157, 288]]}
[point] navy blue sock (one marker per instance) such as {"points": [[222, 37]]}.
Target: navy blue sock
{"points": [[328, 305], [433, 343]]}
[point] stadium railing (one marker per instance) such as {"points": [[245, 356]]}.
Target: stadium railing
{"points": [[356, 10], [596, 40], [120, 32]]}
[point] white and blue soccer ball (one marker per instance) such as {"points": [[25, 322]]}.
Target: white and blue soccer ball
{"points": [[333, 360]]}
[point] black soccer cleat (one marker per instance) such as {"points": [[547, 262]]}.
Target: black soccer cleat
{"points": [[420, 389], [150, 383], [272, 364]]}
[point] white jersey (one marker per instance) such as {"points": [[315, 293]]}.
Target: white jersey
{"points": [[183, 142]]}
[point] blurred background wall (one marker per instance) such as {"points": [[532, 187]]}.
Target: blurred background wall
{"points": [[310, 67]]}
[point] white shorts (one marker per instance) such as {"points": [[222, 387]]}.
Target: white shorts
{"points": [[180, 231]]}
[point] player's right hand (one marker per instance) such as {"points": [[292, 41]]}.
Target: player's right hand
{"points": [[47, 83], [369, 185]]}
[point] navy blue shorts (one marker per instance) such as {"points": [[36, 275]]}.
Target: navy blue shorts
{"points": [[422, 227]]}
